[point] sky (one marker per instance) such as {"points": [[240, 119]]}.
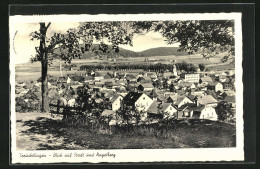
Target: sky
{"points": [[24, 48]]}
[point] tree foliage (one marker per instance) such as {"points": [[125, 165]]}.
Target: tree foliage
{"points": [[224, 111], [211, 37], [202, 66], [87, 33]]}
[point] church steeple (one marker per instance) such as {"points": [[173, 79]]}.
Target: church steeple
{"points": [[174, 69]]}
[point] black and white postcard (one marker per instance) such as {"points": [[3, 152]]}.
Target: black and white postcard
{"points": [[126, 88]]}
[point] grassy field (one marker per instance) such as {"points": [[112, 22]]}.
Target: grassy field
{"points": [[36, 131], [32, 71]]}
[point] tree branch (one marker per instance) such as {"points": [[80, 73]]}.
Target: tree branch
{"points": [[48, 25]]}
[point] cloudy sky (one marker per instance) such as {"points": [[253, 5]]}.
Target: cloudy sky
{"points": [[25, 48]]}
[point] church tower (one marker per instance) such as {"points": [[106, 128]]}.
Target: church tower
{"points": [[174, 69]]}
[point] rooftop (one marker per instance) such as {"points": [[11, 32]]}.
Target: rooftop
{"points": [[208, 99]]}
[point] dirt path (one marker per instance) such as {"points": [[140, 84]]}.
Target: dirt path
{"points": [[38, 131]]}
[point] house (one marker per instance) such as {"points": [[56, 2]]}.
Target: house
{"points": [[145, 87], [227, 86], [196, 111], [130, 78], [203, 112], [171, 80], [107, 77], [123, 93], [198, 93], [168, 110], [154, 109], [221, 78], [108, 84], [68, 80], [182, 100], [152, 75], [98, 76], [121, 82], [185, 85], [99, 84], [88, 79], [116, 102], [161, 98], [131, 88], [183, 112], [191, 77], [228, 93], [161, 109], [180, 92], [216, 86], [207, 100], [231, 100], [140, 101], [144, 80], [172, 98], [205, 80]]}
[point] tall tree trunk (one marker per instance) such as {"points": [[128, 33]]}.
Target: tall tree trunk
{"points": [[44, 64]]}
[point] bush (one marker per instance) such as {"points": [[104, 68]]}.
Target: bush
{"points": [[27, 103], [202, 66]]}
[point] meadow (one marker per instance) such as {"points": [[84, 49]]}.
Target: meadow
{"points": [[32, 71], [38, 131]]}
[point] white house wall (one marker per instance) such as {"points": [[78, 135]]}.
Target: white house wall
{"points": [[209, 113], [143, 103], [171, 110], [117, 104], [184, 101]]}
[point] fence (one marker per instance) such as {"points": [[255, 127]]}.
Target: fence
{"points": [[65, 110]]}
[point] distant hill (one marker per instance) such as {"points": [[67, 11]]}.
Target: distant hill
{"points": [[160, 51], [89, 54]]}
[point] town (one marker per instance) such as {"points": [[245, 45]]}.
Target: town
{"points": [[168, 92]]}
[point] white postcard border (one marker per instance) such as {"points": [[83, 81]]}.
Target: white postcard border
{"points": [[134, 155]]}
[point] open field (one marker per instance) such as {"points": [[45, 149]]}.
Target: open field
{"points": [[31, 71], [35, 131]]}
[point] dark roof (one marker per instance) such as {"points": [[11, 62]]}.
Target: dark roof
{"points": [[185, 84], [88, 78], [77, 78], [206, 79], [179, 99], [208, 99], [107, 77], [180, 92], [97, 74], [173, 96], [140, 78], [212, 83], [230, 99], [186, 106], [132, 97], [114, 98], [50, 79], [191, 97], [154, 107], [165, 106], [147, 85], [161, 97]]}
